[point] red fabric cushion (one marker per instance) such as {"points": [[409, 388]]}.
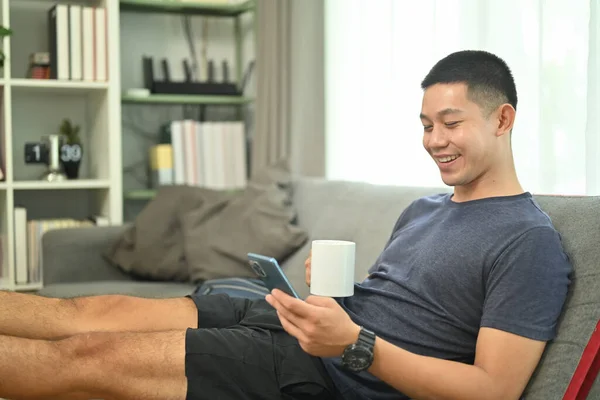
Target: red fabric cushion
{"points": [[587, 369]]}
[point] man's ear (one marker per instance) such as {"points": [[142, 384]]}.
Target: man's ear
{"points": [[506, 119]]}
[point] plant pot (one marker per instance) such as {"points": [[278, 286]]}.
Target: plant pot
{"points": [[70, 159]]}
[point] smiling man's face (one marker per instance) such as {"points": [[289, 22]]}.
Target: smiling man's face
{"points": [[457, 134]]}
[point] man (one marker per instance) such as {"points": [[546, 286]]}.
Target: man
{"points": [[459, 305]]}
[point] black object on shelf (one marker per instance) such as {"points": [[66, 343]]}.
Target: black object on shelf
{"points": [[167, 86], [225, 68]]}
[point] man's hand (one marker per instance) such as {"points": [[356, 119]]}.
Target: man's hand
{"points": [[321, 326], [307, 265]]}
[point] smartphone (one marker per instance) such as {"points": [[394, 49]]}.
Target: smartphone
{"points": [[269, 271]]}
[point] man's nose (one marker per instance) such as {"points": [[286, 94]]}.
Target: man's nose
{"points": [[437, 137]]}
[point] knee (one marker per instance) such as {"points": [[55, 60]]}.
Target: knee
{"points": [[87, 358], [86, 348]]}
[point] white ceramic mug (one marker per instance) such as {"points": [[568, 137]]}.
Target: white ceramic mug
{"points": [[332, 268]]}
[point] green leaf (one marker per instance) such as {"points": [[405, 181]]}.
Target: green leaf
{"points": [[5, 31]]}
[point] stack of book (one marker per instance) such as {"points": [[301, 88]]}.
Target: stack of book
{"points": [[78, 43], [28, 239], [205, 154], [211, 1]]}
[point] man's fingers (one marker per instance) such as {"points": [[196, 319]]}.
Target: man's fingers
{"points": [[288, 315], [289, 321], [291, 328], [321, 301], [292, 304]]}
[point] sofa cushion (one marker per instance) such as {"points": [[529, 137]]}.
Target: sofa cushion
{"points": [[152, 247], [261, 220], [138, 289]]}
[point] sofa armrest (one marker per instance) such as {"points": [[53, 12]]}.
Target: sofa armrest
{"points": [[75, 255]]}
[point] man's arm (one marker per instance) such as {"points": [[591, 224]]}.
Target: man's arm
{"points": [[504, 363]]}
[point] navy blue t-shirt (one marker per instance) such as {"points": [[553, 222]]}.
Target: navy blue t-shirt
{"points": [[450, 268]]}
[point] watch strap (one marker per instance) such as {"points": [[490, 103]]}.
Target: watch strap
{"points": [[366, 338]]}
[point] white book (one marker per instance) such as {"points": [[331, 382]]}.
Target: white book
{"points": [[200, 154], [87, 43], [179, 177], [217, 155], [218, 143], [228, 155], [21, 266], [76, 59], [191, 158], [100, 38], [58, 22], [208, 154], [239, 154]]}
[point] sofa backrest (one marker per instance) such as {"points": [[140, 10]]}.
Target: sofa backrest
{"points": [[366, 213], [577, 219]]}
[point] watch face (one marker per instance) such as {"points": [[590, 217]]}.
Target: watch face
{"points": [[357, 358]]}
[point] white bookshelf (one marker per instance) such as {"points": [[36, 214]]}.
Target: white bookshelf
{"points": [[34, 108]]}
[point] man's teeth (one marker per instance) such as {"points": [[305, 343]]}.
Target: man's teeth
{"points": [[448, 159]]}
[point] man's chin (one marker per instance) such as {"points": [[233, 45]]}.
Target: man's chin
{"points": [[450, 181]]}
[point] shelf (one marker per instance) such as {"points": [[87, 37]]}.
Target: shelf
{"points": [[69, 184], [179, 7], [142, 194], [54, 86], [28, 287], [186, 99], [149, 194]]}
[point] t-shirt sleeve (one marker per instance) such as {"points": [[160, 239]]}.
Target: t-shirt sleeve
{"points": [[527, 286]]}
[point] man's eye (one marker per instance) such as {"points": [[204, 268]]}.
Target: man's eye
{"points": [[427, 128], [451, 124]]}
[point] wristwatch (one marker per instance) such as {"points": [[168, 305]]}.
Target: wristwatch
{"points": [[359, 356]]}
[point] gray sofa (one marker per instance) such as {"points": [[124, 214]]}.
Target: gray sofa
{"points": [[364, 213]]}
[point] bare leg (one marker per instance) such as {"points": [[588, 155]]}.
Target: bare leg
{"points": [[117, 365], [36, 317]]}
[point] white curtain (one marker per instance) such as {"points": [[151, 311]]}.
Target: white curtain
{"points": [[378, 51]]}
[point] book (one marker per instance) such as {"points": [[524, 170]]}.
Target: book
{"points": [[20, 227], [87, 44], [209, 154], [58, 41], [75, 36], [161, 164], [100, 45]]}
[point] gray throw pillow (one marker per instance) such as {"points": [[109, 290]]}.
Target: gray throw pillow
{"points": [[152, 247], [261, 220]]}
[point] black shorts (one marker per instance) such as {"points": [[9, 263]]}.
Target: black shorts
{"points": [[240, 351]]}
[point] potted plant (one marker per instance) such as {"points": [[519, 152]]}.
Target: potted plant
{"points": [[71, 151], [3, 33]]}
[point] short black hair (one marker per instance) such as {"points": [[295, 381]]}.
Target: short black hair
{"points": [[489, 80]]}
